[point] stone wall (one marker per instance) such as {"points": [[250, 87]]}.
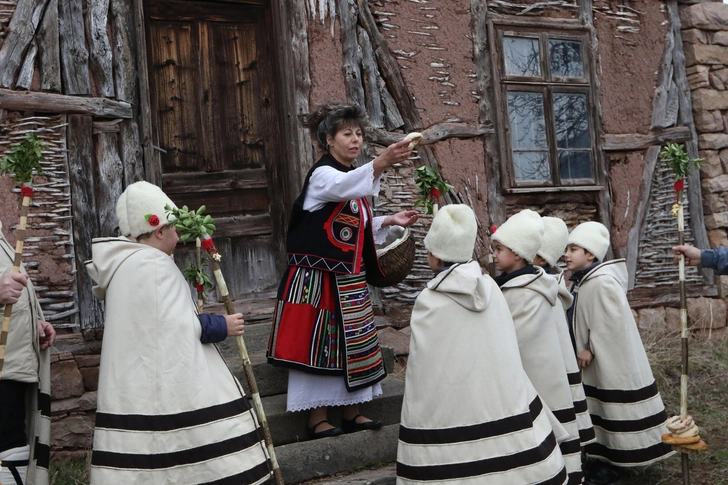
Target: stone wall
{"points": [[74, 379]]}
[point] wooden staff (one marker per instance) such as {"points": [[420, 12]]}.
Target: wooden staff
{"points": [[27, 194], [683, 324], [215, 259], [199, 284]]}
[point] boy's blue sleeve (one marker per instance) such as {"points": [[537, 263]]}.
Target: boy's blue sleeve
{"points": [[214, 328], [715, 258]]}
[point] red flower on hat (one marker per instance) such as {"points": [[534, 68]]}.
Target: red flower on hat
{"points": [[207, 243], [26, 191], [493, 228], [434, 192], [152, 219], [680, 185]]}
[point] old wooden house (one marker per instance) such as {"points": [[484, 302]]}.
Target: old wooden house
{"points": [[559, 105]]}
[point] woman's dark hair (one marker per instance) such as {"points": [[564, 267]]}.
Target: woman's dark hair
{"points": [[330, 118]]}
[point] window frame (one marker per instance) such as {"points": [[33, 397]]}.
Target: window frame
{"points": [[548, 85]]}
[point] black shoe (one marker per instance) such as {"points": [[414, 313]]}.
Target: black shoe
{"points": [[602, 475], [350, 425], [323, 434]]}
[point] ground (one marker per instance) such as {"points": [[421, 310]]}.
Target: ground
{"points": [[708, 391]]}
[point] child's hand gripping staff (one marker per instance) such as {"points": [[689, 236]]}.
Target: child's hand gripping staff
{"points": [[192, 225], [23, 163]]}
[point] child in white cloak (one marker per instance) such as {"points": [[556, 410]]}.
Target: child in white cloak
{"points": [[555, 238], [532, 298], [470, 414], [624, 403], [169, 410]]}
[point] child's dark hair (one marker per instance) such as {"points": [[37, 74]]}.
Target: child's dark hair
{"points": [[329, 119]]}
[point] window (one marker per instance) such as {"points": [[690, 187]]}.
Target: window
{"points": [[545, 108]]}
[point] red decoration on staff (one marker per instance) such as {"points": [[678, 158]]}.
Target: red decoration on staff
{"points": [[207, 243], [26, 191], [199, 287], [434, 192], [680, 185]]}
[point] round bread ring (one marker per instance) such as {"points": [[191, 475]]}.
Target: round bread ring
{"points": [[414, 138], [692, 431], [677, 425], [669, 439], [699, 446]]}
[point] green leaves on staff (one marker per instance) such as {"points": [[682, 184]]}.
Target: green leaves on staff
{"points": [[430, 186], [197, 277], [678, 161], [23, 160], [191, 224]]}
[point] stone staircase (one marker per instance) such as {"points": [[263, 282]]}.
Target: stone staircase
{"points": [[302, 459]]}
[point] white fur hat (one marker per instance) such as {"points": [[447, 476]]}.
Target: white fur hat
{"points": [[452, 234], [555, 238], [592, 236], [136, 206], [522, 233]]}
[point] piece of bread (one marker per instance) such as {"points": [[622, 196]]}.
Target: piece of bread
{"points": [[692, 447], [669, 439], [688, 433], [677, 425], [414, 138]]}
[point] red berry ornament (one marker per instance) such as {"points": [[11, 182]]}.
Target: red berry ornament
{"points": [[154, 220]]}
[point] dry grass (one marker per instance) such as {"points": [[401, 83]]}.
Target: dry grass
{"points": [[707, 403]]}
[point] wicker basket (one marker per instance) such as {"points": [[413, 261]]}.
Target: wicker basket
{"points": [[396, 258]]}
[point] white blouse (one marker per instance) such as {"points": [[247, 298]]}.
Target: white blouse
{"points": [[330, 185]]}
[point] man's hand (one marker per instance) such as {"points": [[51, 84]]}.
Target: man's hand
{"points": [[584, 358], [46, 334], [692, 254], [235, 324], [11, 287]]}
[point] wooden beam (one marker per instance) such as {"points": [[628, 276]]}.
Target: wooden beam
{"points": [[536, 22], [666, 296], [181, 183], [685, 118], [26, 72], [645, 197], [59, 103], [101, 66], [74, 55], [243, 226], [79, 140], [665, 102], [20, 31], [637, 141], [370, 80], [152, 161], [389, 68], [352, 52], [125, 69], [50, 56], [110, 174], [434, 133], [131, 152]]}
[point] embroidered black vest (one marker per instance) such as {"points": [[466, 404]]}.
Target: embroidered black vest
{"points": [[331, 238]]}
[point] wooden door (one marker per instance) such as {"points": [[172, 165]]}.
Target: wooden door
{"points": [[211, 92]]}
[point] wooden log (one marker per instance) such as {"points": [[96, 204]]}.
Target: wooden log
{"points": [[79, 139], [110, 173], [26, 72], [370, 78], [58, 103], [125, 69], [637, 141], [131, 152], [182, 183], [392, 116], [434, 133], [74, 55], [685, 118], [665, 102], [635, 232], [152, 161], [50, 60], [20, 31], [389, 68], [351, 50], [101, 68]]}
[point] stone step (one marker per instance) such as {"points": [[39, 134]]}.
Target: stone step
{"points": [[385, 475], [288, 427], [340, 454]]}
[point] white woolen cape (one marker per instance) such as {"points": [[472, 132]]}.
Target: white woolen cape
{"points": [[583, 420], [470, 415], [533, 300], [622, 396], [169, 410]]}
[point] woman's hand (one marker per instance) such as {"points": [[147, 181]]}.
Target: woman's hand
{"points": [[404, 219], [394, 153], [584, 358], [235, 324]]}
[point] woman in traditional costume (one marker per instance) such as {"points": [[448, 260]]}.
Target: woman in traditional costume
{"points": [[323, 329]]}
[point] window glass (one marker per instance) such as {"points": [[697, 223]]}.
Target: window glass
{"points": [[528, 136], [521, 56], [572, 122], [565, 58], [531, 166], [575, 164]]}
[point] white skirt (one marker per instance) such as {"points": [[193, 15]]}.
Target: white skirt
{"points": [[310, 391]]}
